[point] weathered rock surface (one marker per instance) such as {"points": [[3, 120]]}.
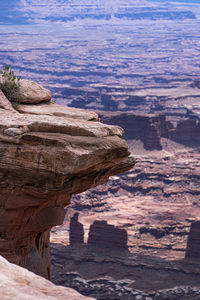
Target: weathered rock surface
{"points": [[193, 242], [31, 92], [53, 109], [147, 128], [19, 283], [4, 103], [45, 158]]}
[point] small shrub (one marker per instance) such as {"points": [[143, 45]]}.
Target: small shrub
{"points": [[10, 84]]}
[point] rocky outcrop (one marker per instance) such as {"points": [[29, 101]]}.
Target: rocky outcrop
{"points": [[76, 232], [106, 236], [45, 158], [193, 242], [20, 284]]}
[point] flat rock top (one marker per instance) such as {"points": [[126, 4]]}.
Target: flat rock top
{"points": [[53, 109], [19, 283]]}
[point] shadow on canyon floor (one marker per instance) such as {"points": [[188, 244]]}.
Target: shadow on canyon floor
{"points": [[105, 269]]}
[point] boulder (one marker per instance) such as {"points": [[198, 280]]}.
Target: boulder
{"points": [[31, 92]]}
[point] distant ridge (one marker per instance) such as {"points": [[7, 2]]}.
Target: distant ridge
{"points": [[51, 11]]}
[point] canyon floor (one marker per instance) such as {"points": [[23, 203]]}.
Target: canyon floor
{"points": [[155, 203]]}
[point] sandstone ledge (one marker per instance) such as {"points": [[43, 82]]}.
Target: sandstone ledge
{"points": [[18, 283], [49, 152]]}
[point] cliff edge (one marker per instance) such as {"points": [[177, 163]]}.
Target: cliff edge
{"points": [[47, 153]]}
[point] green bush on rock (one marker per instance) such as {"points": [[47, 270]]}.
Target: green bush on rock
{"points": [[9, 84]]}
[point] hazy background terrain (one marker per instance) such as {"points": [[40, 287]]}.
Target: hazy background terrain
{"points": [[83, 43]]}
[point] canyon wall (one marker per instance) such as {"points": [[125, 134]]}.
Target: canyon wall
{"points": [[150, 128], [147, 128], [48, 152]]}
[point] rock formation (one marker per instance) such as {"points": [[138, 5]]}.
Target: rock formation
{"points": [[18, 283], [193, 242], [106, 236], [76, 232], [49, 153]]}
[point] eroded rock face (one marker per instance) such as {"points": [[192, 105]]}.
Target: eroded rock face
{"points": [[18, 283], [46, 156]]}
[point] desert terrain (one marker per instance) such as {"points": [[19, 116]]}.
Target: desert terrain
{"points": [[137, 66]]}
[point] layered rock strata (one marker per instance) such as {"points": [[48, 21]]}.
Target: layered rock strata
{"points": [[49, 152]]}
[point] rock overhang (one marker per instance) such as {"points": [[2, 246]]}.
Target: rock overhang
{"points": [[47, 153], [62, 146]]}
